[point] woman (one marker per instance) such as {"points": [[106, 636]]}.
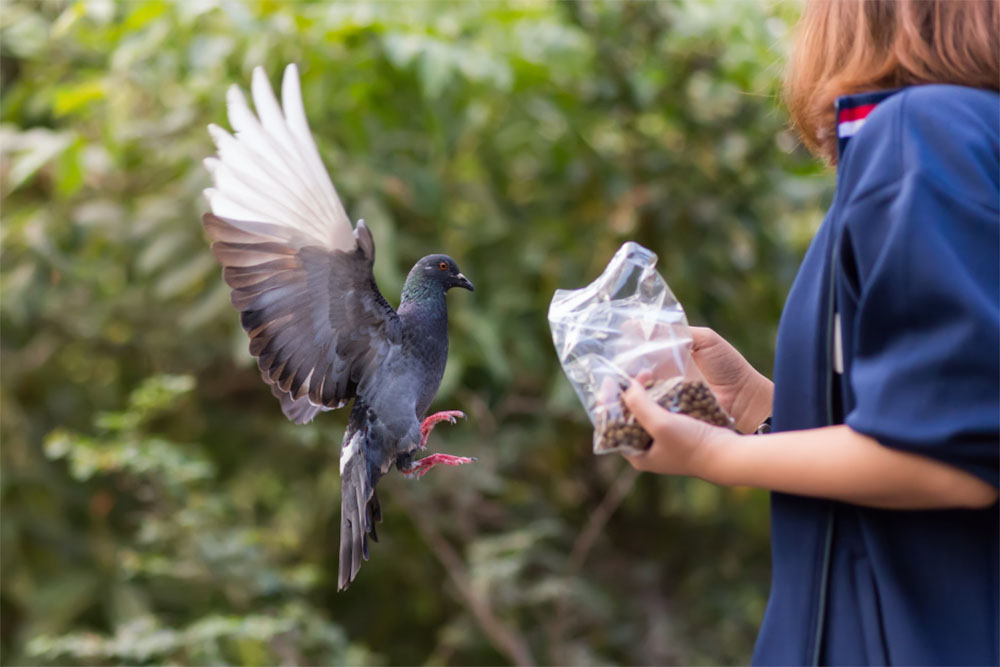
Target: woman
{"points": [[883, 458]]}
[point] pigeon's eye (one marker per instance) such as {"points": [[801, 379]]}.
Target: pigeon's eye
{"points": [[443, 266]]}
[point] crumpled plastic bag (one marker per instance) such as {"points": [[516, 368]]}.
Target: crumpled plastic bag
{"points": [[625, 322]]}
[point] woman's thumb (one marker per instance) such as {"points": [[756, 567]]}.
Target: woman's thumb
{"points": [[642, 405]]}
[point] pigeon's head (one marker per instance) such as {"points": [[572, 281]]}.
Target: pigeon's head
{"points": [[440, 270]]}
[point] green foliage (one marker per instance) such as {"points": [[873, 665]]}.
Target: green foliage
{"points": [[293, 633], [124, 446], [157, 507]]}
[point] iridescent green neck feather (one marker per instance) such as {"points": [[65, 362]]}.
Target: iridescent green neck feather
{"points": [[421, 288]]}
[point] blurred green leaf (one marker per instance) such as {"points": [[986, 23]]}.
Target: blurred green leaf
{"points": [[69, 99], [31, 151]]}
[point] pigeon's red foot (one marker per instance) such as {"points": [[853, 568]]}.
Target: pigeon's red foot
{"points": [[421, 466], [427, 426]]}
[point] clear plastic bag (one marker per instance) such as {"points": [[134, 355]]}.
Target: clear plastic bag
{"points": [[625, 322]]}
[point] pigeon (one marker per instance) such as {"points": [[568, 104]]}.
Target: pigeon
{"points": [[322, 333]]}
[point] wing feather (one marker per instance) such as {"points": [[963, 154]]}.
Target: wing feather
{"points": [[252, 191], [301, 277], [298, 126], [288, 181], [317, 323], [271, 171]]}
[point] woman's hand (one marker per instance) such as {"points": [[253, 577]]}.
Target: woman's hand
{"points": [[838, 463], [741, 391], [681, 445]]}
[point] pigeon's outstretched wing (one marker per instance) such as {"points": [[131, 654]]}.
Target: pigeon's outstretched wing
{"points": [[301, 277]]}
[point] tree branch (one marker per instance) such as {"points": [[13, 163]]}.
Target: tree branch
{"points": [[584, 543], [503, 637]]}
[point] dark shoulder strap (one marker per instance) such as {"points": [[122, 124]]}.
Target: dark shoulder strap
{"points": [[834, 415], [834, 346]]}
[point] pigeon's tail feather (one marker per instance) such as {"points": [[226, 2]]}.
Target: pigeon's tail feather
{"points": [[359, 506], [374, 515]]}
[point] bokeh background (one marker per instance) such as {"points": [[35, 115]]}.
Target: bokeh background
{"points": [[158, 509]]}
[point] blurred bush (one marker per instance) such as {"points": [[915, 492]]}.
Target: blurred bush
{"points": [[157, 508]]}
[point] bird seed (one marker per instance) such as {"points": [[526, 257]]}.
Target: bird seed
{"points": [[689, 397]]}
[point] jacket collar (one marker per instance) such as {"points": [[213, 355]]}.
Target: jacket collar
{"points": [[852, 110]]}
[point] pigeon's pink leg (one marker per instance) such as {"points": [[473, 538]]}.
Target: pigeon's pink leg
{"points": [[421, 466], [428, 424]]}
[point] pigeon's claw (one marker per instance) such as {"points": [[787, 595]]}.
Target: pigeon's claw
{"points": [[420, 467], [450, 416]]}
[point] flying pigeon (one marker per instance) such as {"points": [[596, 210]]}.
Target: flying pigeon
{"points": [[322, 333]]}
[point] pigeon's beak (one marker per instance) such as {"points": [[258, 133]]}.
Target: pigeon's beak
{"points": [[462, 281]]}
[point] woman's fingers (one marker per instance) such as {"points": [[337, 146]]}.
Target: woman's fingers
{"points": [[682, 445], [638, 461], [702, 337], [647, 411], [644, 378]]}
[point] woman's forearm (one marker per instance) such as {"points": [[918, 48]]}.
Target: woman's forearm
{"points": [[839, 463]]}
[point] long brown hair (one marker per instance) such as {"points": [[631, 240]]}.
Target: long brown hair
{"points": [[851, 46]]}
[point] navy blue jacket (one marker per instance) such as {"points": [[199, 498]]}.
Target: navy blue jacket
{"points": [[893, 327]]}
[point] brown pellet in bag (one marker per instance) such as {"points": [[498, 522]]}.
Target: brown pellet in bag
{"points": [[689, 397]]}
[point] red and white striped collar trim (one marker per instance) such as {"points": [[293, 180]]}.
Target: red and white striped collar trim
{"points": [[849, 121], [853, 111]]}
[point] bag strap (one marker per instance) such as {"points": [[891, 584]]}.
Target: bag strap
{"points": [[834, 415]]}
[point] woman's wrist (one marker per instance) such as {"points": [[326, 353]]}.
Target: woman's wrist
{"points": [[755, 403], [714, 463]]}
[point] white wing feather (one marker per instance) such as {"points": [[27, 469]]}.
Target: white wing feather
{"points": [[270, 171]]}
